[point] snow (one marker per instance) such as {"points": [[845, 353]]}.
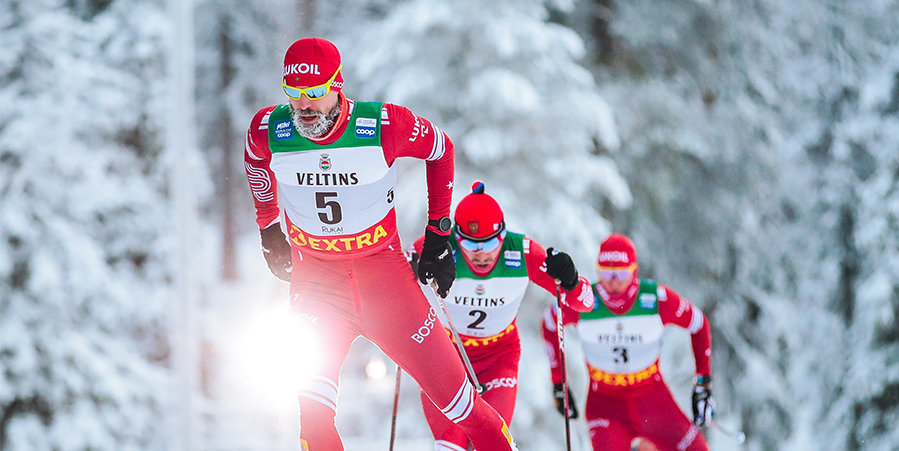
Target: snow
{"points": [[748, 148]]}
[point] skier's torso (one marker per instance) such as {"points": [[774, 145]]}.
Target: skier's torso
{"points": [[337, 198], [483, 309], [623, 350]]}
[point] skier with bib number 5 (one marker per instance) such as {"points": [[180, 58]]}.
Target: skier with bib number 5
{"points": [[321, 168], [622, 343], [493, 269]]}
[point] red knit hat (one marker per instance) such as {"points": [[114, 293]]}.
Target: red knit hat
{"points": [[478, 216], [312, 62], [617, 251]]}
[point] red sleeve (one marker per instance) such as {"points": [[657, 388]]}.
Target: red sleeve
{"points": [[257, 160], [678, 311], [404, 134], [551, 337], [579, 299]]}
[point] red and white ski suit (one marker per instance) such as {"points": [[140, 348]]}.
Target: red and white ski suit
{"points": [[350, 276], [627, 397], [488, 307]]}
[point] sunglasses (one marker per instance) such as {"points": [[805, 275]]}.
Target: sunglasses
{"points": [[312, 92], [480, 246], [610, 273]]}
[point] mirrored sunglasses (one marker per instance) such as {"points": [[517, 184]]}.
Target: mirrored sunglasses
{"points": [[610, 273], [480, 246], [312, 92]]}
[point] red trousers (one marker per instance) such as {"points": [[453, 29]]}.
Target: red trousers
{"points": [[617, 416], [496, 367], [378, 297]]}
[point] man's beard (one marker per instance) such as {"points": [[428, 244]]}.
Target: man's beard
{"points": [[318, 128]]}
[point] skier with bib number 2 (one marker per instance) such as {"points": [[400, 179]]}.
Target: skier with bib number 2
{"points": [[494, 267], [622, 343], [321, 168]]}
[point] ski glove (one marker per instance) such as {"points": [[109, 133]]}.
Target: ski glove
{"points": [[703, 404], [436, 262], [559, 399], [276, 251], [560, 266]]}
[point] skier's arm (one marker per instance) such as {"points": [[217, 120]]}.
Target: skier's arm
{"points": [[403, 134], [673, 309], [551, 337], [257, 158], [580, 298]]}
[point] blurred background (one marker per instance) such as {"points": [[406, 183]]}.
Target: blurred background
{"points": [[749, 147]]}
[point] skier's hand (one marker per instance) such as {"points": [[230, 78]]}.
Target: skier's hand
{"points": [[558, 398], [560, 266], [276, 251], [436, 262], [703, 404], [412, 258]]}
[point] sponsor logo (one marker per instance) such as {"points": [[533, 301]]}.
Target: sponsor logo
{"points": [[499, 382], [622, 380], [619, 338], [681, 308], [613, 256], [479, 290], [366, 127], [283, 130], [425, 329], [513, 259], [418, 129], [319, 179], [469, 342], [648, 301], [301, 68], [324, 162], [342, 244], [329, 230], [479, 302]]}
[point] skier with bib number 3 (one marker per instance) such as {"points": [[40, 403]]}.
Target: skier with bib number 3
{"points": [[493, 269], [622, 343], [321, 168]]}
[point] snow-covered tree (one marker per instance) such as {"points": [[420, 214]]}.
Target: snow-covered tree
{"points": [[84, 235]]}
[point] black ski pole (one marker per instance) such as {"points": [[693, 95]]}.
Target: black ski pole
{"points": [[449, 320], [396, 404], [562, 364]]}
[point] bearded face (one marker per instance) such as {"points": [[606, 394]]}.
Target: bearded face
{"points": [[320, 126]]}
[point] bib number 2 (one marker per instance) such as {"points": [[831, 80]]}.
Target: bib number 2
{"points": [[326, 201]]}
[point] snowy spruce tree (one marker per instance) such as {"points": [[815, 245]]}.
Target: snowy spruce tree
{"points": [[84, 232]]}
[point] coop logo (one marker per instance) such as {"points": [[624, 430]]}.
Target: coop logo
{"points": [[365, 127], [513, 259], [301, 68], [426, 328], [283, 130]]}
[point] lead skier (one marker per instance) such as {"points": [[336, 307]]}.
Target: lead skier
{"points": [[493, 269], [622, 343], [327, 161]]}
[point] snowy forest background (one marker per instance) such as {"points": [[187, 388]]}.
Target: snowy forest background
{"points": [[750, 148]]}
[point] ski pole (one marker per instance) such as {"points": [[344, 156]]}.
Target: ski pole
{"points": [[562, 364], [452, 328], [396, 404], [738, 435]]}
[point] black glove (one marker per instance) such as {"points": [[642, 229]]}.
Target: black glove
{"points": [[703, 404], [436, 262], [559, 399], [412, 258], [559, 266], [276, 251]]}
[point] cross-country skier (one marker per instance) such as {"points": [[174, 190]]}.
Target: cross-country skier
{"points": [[327, 162], [494, 267], [622, 343]]}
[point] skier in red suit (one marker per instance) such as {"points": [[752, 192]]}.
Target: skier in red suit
{"points": [[494, 267], [321, 168], [622, 341]]}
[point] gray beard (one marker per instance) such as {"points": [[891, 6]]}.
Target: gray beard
{"points": [[318, 128]]}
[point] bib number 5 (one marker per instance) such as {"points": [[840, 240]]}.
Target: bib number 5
{"points": [[327, 201]]}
